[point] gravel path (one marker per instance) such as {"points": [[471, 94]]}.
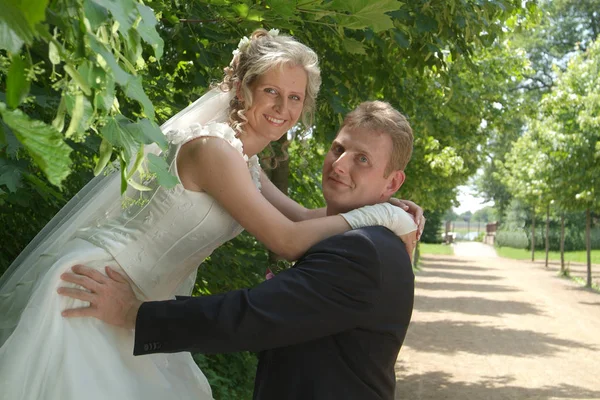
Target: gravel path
{"points": [[485, 327]]}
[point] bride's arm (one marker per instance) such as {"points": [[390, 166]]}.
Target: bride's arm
{"points": [[286, 205], [213, 166], [296, 212]]}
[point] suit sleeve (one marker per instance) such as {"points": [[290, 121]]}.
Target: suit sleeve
{"points": [[331, 289]]}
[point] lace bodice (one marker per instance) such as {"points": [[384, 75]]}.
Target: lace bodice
{"points": [[162, 237]]}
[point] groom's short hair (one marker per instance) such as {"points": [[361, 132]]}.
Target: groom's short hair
{"points": [[380, 116]]}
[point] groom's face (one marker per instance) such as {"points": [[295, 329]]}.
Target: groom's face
{"points": [[354, 170]]}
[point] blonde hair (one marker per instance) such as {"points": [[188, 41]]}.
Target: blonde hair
{"points": [[381, 117], [263, 52]]}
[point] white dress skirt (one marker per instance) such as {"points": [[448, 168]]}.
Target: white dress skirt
{"points": [[159, 244]]}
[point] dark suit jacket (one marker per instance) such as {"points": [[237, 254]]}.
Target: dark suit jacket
{"points": [[328, 328]]}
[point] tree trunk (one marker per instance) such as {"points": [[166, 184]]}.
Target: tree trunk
{"points": [[547, 233], [588, 246], [279, 176], [562, 244], [417, 255], [533, 235]]}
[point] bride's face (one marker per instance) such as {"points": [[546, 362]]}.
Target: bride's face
{"points": [[277, 102]]}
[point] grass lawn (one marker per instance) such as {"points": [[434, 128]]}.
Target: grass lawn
{"points": [[573, 256], [441, 249]]}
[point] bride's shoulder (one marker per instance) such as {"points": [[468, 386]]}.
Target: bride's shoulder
{"points": [[214, 129], [215, 153]]}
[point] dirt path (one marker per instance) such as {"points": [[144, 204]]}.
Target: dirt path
{"points": [[485, 327]]}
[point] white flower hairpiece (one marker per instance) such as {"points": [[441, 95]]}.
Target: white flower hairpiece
{"points": [[245, 41]]}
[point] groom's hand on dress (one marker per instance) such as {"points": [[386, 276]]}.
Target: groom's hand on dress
{"points": [[110, 296]]}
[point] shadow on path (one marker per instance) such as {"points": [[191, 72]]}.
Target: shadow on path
{"points": [[589, 304], [455, 264], [581, 288], [464, 287], [454, 275], [439, 385], [475, 306], [485, 340]]}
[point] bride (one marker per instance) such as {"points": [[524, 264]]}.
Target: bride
{"points": [[157, 238]]}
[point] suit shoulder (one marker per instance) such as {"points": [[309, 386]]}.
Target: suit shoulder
{"points": [[367, 243], [354, 246], [385, 244], [377, 236], [354, 237], [369, 236]]}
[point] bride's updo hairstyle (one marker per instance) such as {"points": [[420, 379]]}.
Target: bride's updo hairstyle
{"points": [[255, 56]]}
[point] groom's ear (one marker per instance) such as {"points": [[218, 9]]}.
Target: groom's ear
{"points": [[394, 180]]}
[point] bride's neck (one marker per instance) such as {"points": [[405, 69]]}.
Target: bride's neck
{"points": [[252, 144]]}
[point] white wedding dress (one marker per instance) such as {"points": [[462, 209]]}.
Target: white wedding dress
{"points": [[158, 242]]}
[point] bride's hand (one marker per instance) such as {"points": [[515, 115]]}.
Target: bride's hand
{"points": [[394, 218], [414, 210]]}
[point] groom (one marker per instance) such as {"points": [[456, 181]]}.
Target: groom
{"points": [[330, 327]]}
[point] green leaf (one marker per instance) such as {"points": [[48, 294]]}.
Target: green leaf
{"points": [[120, 75], [123, 171], [285, 9], [160, 167], [59, 121], [105, 152], [147, 30], [115, 131], [10, 175], [76, 111], [95, 14], [9, 39], [133, 49], [353, 46], [401, 39], [139, 158], [121, 10], [17, 84], [83, 85], [132, 85], [138, 186], [15, 19], [93, 76], [33, 10], [133, 89], [10, 141], [145, 132], [53, 54], [43, 142], [426, 24], [151, 133], [366, 13], [3, 141], [105, 97]]}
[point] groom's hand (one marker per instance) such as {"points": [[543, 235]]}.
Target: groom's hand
{"points": [[111, 298]]}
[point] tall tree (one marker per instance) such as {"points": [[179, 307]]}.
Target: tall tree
{"points": [[573, 106], [560, 29]]}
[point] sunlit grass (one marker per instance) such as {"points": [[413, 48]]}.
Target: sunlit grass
{"points": [[437, 249], [570, 256]]}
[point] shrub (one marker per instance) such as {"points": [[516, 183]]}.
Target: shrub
{"points": [[574, 239], [516, 239], [433, 227]]}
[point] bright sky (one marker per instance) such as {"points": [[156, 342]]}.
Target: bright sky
{"points": [[469, 201]]}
